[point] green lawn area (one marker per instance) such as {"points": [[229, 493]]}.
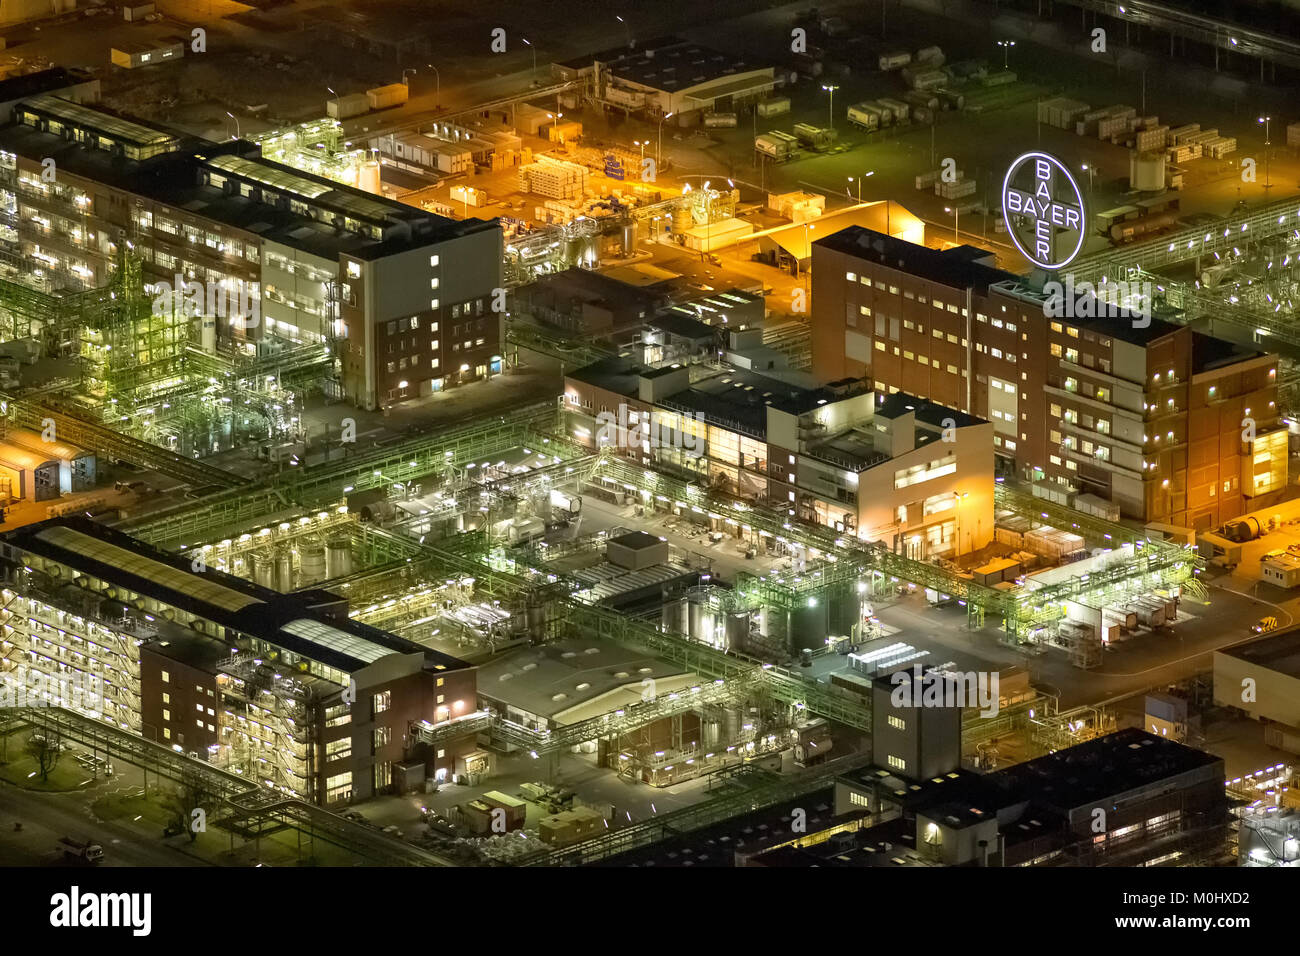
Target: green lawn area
{"points": [[66, 775], [119, 806]]}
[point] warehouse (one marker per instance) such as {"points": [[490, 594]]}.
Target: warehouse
{"points": [[1262, 680]]}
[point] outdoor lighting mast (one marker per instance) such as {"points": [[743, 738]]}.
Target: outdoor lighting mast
{"points": [[1006, 52], [831, 88]]}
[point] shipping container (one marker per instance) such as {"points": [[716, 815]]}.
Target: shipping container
{"points": [[720, 120], [386, 97], [815, 137], [865, 115], [780, 146], [344, 107], [951, 99], [897, 107], [774, 107], [930, 56], [895, 59]]}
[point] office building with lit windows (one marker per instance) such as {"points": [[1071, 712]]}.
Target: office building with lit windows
{"points": [[1168, 424], [284, 688], [913, 474], [402, 297]]}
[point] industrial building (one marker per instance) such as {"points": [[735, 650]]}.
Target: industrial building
{"points": [[1146, 415], [285, 688], [280, 258], [1124, 799], [910, 472], [1262, 680], [670, 75]]}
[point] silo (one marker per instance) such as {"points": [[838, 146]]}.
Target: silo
{"points": [[700, 619], [284, 570], [312, 564], [263, 568], [1146, 171], [338, 558], [368, 177]]}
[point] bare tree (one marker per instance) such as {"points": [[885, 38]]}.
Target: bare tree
{"points": [[189, 804], [45, 747]]}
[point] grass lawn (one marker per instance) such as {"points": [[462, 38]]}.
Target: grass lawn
{"points": [[66, 775]]}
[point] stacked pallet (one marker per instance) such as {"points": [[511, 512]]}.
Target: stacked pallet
{"points": [[962, 187], [552, 178], [1118, 122], [931, 179], [1154, 138], [1220, 147], [1061, 112]]}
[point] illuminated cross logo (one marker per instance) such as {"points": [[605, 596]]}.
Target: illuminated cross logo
{"points": [[1044, 210]]}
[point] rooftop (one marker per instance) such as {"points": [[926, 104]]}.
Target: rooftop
{"points": [[178, 170], [669, 64], [1102, 768], [1278, 652], [286, 620], [958, 267]]}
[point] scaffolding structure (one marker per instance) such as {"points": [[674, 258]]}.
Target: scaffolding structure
{"points": [[266, 727]]}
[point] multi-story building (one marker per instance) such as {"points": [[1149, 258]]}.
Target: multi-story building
{"points": [[912, 473], [283, 687], [1167, 423], [279, 256]]}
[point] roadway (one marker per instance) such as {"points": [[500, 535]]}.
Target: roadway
{"points": [[48, 816]]}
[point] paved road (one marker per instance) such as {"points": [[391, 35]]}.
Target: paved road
{"points": [[48, 816]]}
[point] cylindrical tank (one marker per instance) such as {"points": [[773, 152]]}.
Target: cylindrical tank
{"points": [[208, 333], [312, 564], [629, 237], [537, 621], [732, 719], [368, 177], [700, 619], [1247, 529], [338, 558], [682, 220], [1146, 171], [284, 570], [263, 569]]}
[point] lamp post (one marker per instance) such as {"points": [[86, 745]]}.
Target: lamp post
{"points": [[534, 49], [437, 85], [659, 150], [336, 103], [860, 178], [1268, 141], [641, 143], [831, 88], [1089, 170], [956, 232], [238, 134], [1006, 53], [626, 29]]}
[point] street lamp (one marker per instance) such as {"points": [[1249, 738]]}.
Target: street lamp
{"points": [[336, 103], [626, 29], [1268, 141], [956, 233], [437, 85], [1006, 52], [659, 150], [642, 144], [534, 49], [831, 88], [1089, 170], [860, 178], [238, 134]]}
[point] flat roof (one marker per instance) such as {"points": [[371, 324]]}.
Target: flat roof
{"points": [[669, 64], [926, 411], [176, 177], [286, 620], [1277, 652], [956, 267]]}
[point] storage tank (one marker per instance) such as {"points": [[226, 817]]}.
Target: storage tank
{"points": [[284, 570], [1247, 529], [682, 219], [629, 237], [368, 177], [701, 621], [338, 558], [312, 564], [208, 333], [263, 568], [1146, 171]]}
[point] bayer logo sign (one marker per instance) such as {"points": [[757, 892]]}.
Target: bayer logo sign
{"points": [[1044, 210]]}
